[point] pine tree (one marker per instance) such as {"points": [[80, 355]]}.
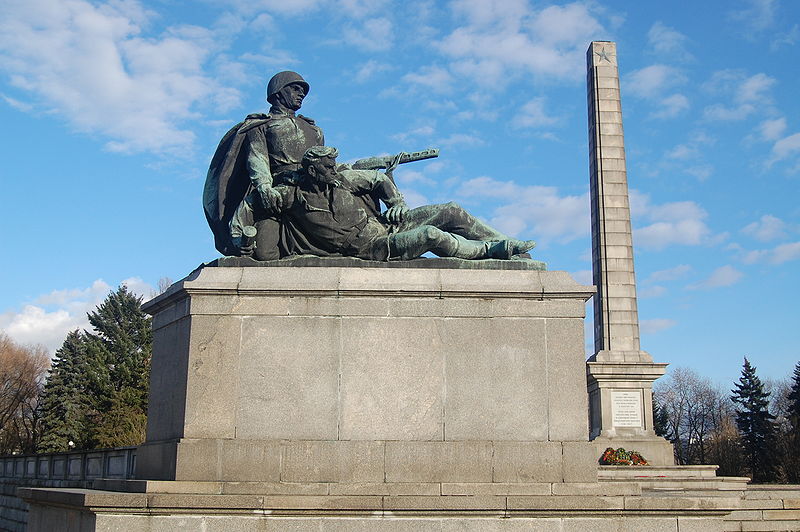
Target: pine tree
{"points": [[121, 368], [793, 412], [96, 395], [660, 420], [792, 437], [755, 424], [65, 406]]}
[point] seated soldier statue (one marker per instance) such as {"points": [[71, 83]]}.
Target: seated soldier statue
{"points": [[324, 213]]}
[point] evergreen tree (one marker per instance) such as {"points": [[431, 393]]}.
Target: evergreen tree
{"points": [[791, 440], [96, 395], [121, 368], [661, 420], [65, 405], [755, 424], [793, 411]]}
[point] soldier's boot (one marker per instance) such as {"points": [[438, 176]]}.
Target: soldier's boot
{"points": [[519, 247], [481, 249]]}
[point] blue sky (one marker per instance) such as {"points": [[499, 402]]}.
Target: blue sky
{"points": [[111, 112]]}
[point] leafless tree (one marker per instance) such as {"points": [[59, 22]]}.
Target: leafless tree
{"points": [[22, 373], [695, 410], [163, 284]]}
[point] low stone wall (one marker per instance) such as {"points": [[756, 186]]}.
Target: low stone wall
{"points": [[76, 469], [767, 507]]}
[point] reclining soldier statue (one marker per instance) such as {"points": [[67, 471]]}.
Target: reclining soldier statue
{"points": [[324, 211]]}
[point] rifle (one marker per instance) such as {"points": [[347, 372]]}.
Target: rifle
{"points": [[375, 163]]}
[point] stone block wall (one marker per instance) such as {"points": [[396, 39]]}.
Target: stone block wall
{"points": [[343, 375], [767, 507], [76, 469]]}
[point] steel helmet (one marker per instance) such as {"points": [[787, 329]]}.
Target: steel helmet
{"points": [[282, 79]]}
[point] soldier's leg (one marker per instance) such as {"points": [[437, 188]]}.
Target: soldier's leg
{"points": [[411, 244], [451, 217]]}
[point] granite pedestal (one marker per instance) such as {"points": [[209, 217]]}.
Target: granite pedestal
{"points": [[369, 375]]}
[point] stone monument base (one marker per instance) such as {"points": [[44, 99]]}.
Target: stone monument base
{"points": [[337, 397], [369, 375], [224, 507], [620, 386]]}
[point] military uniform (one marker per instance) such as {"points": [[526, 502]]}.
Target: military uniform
{"points": [[327, 219], [263, 149]]}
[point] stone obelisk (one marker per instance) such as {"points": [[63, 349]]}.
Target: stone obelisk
{"points": [[620, 375]]}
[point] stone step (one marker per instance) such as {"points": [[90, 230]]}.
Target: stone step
{"points": [[670, 472]]}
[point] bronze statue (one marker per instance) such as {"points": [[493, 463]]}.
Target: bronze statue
{"points": [[271, 176], [323, 214], [256, 155]]}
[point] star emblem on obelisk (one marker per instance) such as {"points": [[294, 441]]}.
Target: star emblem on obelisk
{"points": [[605, 56]]}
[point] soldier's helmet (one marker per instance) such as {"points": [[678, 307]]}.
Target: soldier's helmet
{"points": [[282, 79]]}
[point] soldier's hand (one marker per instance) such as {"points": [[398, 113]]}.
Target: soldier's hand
{"points": [[395, 162], [270, 198], [247, 251], [396, 213]]}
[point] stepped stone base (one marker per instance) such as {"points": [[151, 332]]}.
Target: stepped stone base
{"points": [[582, 507]]}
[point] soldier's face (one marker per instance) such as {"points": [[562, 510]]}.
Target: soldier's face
{"points": [[324, 170], [292, 96]]}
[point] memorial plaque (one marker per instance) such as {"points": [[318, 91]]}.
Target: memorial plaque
{"points": [[626, 409]]}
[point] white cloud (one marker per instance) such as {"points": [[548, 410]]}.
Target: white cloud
{"points": [[649, 292], [722, 113], [251, 7], [672, 106], [701, 172], [682, 152], [670, 274], [361, 8], [767, 228], [772, 129], [674, 223], [758, 16], [405, 177], [93, 65], [17, 104], [723, 276], [422, 131], [788, 38], [777, 255], [668, 42], [651, 81], [785, 253], [496, 40], [755, 88], [49, 318], [373, 35], [370, 69], [784, 148], [537, 212], [414, 198], [433, 77], [534, 114], [461, 139], [748, 94], [688, 156], [656, 325]]}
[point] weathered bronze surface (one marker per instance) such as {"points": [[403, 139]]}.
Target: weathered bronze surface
{"points": [[323, 213], [264, 200]]}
